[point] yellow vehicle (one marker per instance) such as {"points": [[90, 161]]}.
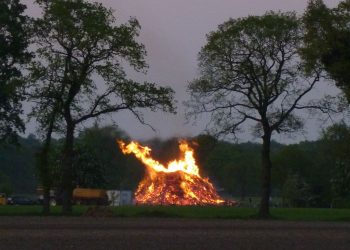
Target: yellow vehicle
{"points": [[3, 200]]}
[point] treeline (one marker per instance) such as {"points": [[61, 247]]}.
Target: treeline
{"points": [[307, 174]]}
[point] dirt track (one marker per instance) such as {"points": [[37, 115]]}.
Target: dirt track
{"points": [[148, 233]]}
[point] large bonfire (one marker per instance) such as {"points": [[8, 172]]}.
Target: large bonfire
{"points": [[179, 183]]}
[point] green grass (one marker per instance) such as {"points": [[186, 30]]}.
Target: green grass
{"points": [[36, 210], [311, 214], [184, 212], [290, 214]]}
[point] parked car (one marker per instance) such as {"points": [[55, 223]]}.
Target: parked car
{"points": [[21, 200]]}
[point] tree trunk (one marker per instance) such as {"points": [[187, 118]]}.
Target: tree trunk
{"points": [[264, 211], [67, 170], [45, 178], [44, 170]]}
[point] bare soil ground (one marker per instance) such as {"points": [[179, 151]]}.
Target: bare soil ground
{"points": [[157, 233]]}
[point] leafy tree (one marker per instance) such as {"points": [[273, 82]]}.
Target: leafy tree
{"points": [[79, 45], [327, 41], [13, 54], [296, 192], [18, 164], [251, 73], [5, 184], [117, 170], [341, 179], [336, 139], [290, 159], [234, 168], [309, 162], [89, 171]]}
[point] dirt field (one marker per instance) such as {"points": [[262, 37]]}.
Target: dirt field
{"points": [[148, 233]]}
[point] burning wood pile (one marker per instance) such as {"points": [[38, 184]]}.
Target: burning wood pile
{"points": [[179, 183]]}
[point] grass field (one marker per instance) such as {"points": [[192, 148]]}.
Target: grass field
{"points": [[295, 214], [9, 210]]}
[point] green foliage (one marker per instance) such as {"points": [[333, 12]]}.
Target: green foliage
{"points": [[115, 170], [88, 168], [251, 74], [18, 165], [296, 192], [98, 161], [234, 168], [341, 179], [79, 41], [327, 41], [290, 160], [79, 74], [308, 161], [5, 184], [13, 53], [336, 139]]}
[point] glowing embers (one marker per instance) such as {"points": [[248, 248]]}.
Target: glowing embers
{"points": [[179, 183]]}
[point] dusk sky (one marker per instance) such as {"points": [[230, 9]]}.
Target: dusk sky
{"points": [[173, 33]]}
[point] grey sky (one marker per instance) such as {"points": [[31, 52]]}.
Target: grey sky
{"points": [[173, 32]]}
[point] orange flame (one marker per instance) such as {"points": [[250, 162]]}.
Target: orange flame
{"points": [[179, 183]]}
